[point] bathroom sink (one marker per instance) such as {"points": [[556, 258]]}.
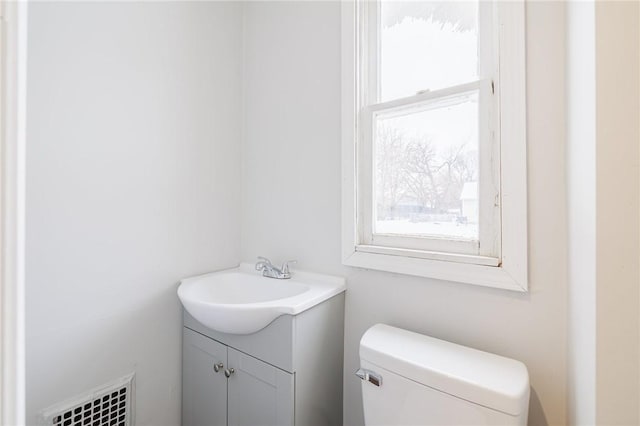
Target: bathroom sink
{"points": [[242, 301]]}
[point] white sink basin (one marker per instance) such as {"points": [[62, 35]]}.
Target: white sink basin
{"points": [[242, 301]]}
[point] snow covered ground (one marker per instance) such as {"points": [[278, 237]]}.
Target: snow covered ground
{"points": [[436, 229]]}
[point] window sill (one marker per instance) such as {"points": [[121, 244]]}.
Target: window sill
{"points": [[431, 255], [468, 273]]}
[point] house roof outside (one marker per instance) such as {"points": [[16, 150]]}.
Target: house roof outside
{"points": [[469, 191]]}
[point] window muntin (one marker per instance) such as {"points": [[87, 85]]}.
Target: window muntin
{"points": [[416, 119]]}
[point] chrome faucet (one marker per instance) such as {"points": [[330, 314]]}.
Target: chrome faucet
{"points": [[270, 271]]}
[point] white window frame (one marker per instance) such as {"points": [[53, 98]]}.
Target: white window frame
{"points": [[504, 265]]}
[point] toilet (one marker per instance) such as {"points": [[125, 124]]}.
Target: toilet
{"points": [[412, 379]]}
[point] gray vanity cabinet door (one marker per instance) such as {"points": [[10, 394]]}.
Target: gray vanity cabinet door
{"points": [[259, 393], [204, 391]]}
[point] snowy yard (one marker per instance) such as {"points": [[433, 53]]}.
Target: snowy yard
{"points": [[449, 229]]}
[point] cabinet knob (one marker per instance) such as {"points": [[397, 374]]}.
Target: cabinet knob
{"points": [[229, 372], [218, 367]]}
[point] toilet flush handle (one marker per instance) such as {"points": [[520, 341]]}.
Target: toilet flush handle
{"points": [[369, 376]]}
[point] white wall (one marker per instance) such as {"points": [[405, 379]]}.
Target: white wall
{"points": [[581, 201], [602, 160], [291, 153], [617, 211], [132, 183], [291, 199]]}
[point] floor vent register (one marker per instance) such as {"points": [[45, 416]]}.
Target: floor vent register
{"points": [[108, 405]]}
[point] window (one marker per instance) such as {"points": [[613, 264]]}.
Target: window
{"points": [[434, 139]]}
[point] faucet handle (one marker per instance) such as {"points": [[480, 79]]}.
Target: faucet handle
{"points": [[285, 266], [262, 263], [264, 259]]}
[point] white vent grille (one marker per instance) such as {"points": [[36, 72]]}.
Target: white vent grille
{"points": [[108, 405]]}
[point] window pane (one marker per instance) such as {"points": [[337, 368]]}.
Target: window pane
{"points": [[426, 169], [427, 46]]}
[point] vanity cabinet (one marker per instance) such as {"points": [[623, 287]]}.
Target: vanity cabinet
{"points": [[258, 393], [289, 373], [204, 391], [243, 390]]}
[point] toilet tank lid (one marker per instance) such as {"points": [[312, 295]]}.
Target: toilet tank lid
{"points": [[486, 379]]}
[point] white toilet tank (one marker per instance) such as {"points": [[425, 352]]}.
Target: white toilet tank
{"points": [[412, 379]]}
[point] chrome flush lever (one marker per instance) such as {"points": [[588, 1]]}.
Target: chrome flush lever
{"points": [[369, 376]]}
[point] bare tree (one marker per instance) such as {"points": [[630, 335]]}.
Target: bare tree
{"points": [[390, 161], [455, 170], [413, 169], [420, 160]]}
